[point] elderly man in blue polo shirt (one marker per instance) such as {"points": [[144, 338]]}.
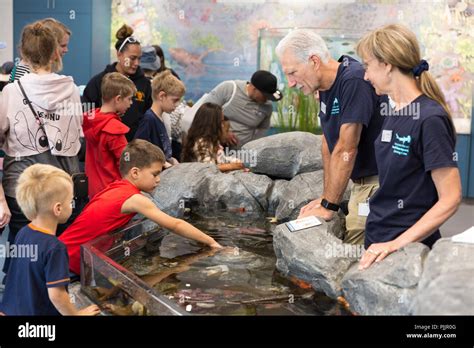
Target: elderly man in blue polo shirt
{"points": [[350, 120]]}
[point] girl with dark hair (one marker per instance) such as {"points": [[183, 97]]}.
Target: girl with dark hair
{"points": [[203, 141]]}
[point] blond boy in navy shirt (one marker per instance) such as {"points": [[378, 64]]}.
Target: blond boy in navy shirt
{"points": [[36, 282]]}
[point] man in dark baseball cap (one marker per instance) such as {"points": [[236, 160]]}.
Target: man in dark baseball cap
{"points": [[247, 106], [266, 83]]}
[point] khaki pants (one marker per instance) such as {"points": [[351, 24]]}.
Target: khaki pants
{"points": [[361, 191]]}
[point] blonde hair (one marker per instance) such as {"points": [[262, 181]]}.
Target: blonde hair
{"points": [[114, 84], [63, 27], [39, 46], [397, 45], [59, 30], [39, 187], [166, 82]]}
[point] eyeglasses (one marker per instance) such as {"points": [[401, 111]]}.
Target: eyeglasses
{"points": [[129, 39]]}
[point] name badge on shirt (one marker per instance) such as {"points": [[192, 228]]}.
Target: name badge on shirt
{"points": [[386, 136], [364, 209], [323, 107]]}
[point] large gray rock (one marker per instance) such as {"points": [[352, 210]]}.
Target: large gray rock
{"points": [[302, 189], [227, 191], [180, 183], [206, 185], [276, 195], [258, 186], [447, 284], [314, 255], [337, 226], [388, 287], [287, 197], [285, 155]]}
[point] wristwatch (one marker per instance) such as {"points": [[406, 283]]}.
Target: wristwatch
{"points": [[329, 205]]}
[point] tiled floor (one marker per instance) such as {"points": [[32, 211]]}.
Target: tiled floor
{"points": [[461, 221]]}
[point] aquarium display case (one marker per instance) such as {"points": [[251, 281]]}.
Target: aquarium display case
{"points": [[143, 270], [103, 277]]}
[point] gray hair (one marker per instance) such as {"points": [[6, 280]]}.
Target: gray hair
{"points": [[303, 43]]}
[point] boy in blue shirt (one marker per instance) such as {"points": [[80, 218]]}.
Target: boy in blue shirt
{"points": [[167, 92], [38, 274]]}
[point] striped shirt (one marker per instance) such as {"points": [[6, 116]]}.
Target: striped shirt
{"points": [[18, 71]]}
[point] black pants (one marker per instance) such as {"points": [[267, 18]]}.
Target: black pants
{"points": [[18, 220]]}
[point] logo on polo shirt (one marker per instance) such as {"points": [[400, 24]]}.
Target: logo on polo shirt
{"points": [[335, 107], [401, 146], [139, 96]]}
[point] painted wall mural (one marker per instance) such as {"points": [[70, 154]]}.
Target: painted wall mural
{"points": [[209, 41]]}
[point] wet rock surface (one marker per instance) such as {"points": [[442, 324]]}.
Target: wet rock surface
{"points": [[312, 255]]}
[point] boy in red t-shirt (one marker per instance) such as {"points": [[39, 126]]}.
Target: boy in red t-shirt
{"points": [[105, 133], [140, 165]]}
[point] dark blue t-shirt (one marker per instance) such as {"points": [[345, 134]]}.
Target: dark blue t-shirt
{"points": [[412, 143], [42, 264], [152, 129], [351, 99]]}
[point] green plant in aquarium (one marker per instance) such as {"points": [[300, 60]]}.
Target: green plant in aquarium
{"points": [[297, 112]]}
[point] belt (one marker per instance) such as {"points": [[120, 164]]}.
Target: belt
{"points": [[374, 179]]}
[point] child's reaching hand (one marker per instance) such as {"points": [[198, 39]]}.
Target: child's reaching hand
{"points": [[216, 245], [91, 310], [140, 204]]}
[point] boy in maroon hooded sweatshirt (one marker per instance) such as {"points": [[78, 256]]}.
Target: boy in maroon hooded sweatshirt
{"points": [[105, 132]]}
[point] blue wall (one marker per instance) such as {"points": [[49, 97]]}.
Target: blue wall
{"points": [[89, 21], [465, 150]]}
